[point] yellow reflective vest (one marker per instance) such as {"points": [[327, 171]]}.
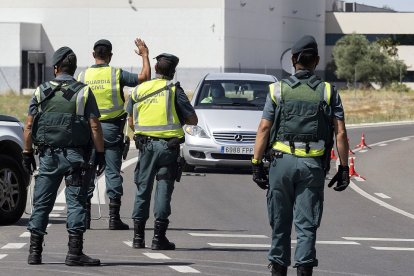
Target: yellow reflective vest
{"points": [[105, 85], [156, 116]]}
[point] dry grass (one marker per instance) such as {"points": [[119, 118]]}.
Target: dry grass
{"points": [[377, 106], [14, 105]]}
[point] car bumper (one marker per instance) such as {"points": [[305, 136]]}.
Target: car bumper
{"points": [[209, 154]]}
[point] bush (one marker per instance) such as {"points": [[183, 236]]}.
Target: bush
{"points": [[397, 87]]}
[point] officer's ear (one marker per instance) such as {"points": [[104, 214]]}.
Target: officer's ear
{"points": [[317, 60], [93, 54], [55, 70], [110, 58]]}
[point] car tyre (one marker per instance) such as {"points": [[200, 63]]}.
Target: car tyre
{"points": [[13, 190]]}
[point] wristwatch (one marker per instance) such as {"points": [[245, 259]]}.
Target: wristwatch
{"points": [[256, 162]]}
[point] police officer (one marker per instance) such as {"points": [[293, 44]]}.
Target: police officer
{"points": [[157, 109], [300, 116], [107, 84], [62, 121]]}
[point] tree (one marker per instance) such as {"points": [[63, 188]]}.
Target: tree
{"points": [[357, 59]]}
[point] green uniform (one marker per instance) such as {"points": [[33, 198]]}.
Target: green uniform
{"points": [[159, 119], [107, 83], [62, 150], [301, 108]]}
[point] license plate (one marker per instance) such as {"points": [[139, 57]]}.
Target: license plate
{"points": [[237, 150]]}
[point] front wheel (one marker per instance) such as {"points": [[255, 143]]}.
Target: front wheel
{"points": [[13, 191]]}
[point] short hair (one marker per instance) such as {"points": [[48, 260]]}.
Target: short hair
{"points": [[102, 51], [165, 67], [68, 64], [305, 58]]}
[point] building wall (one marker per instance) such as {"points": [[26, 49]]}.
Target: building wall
{"points": [[180, 27], [258, 32]]}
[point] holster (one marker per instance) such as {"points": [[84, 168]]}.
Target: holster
{"points": [[140, 141], [126, 144], [180, 167]]}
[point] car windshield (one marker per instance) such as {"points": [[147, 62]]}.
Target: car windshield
{"points": [[232, 94]]}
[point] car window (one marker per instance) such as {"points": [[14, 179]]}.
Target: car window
{"points": [[232, 94]]}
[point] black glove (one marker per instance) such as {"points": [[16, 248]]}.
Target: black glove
{"points": [[100, 162], [29, 162], [260, 176], [341, 178]]}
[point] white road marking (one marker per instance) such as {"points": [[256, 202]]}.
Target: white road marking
{"points": [[25, 235], [16, 245], [257, 245], [362, 151], [380, 202], [58, 208], [3, 256], [378, 239], [382, 145], [61, 197], [405, 139], [248, 245], [129, 243], [333, 242], [184, 269], [393, 248], [157, 256], [48, 225], [54, 215], [228, 235], [382, 195], [359, 179], [369, 125]]}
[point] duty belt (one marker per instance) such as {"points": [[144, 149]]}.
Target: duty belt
{"points": [[320, 145]]}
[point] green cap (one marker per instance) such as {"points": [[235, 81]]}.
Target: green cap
{"points": [[170, 58], [103, 42], [60, 55], [306, 44]]}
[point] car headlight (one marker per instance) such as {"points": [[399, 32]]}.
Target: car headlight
{"points": [[196, 131]]}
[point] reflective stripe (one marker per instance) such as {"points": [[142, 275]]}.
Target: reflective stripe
{"points": [[81, 101], [298, 151], [276, 92], [81, 77], [169, 100], [157, 128], [320, 145], [327, 93], [38, 98]]}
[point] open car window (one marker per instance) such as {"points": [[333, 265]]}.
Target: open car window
{"points": [[228, 94]]}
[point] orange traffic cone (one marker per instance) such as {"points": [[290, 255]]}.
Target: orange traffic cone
{"points": [[352, 171], [350, 152], [333, 156], [362, 144]]}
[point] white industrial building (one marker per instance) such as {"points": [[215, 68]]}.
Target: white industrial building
{"points": [[207, 35]]}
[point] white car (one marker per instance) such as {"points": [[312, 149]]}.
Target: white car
{"points": [[13, 178], [229, 108]]}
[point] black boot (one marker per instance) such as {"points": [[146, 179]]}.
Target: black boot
{"points": [[139, 234], [277, 269], [160, 241], [35, 251], [304, 270], [115, 222], [88, 214], [75, 256]]}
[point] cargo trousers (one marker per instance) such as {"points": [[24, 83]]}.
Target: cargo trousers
{"points": [[296, 194], [113, 139], [156, 160], [54, 166]]}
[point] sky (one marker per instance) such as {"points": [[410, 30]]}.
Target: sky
{"points": [[398, 5]]}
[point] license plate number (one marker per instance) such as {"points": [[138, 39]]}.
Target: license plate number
{"points": [[236, 150]]}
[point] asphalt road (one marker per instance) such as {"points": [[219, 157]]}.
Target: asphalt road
{"points": [[219, 223]]}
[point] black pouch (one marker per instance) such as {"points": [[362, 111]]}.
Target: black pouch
{"points": [[174, 143]]}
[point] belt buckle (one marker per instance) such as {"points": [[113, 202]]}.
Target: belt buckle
{"points": [[277, 154]]}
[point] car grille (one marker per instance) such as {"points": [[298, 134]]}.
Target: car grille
{"points": [[231, 156], [235, 137]]}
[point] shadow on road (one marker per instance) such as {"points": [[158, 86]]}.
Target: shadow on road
{"points": [[144, 263], [210, 249]]}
